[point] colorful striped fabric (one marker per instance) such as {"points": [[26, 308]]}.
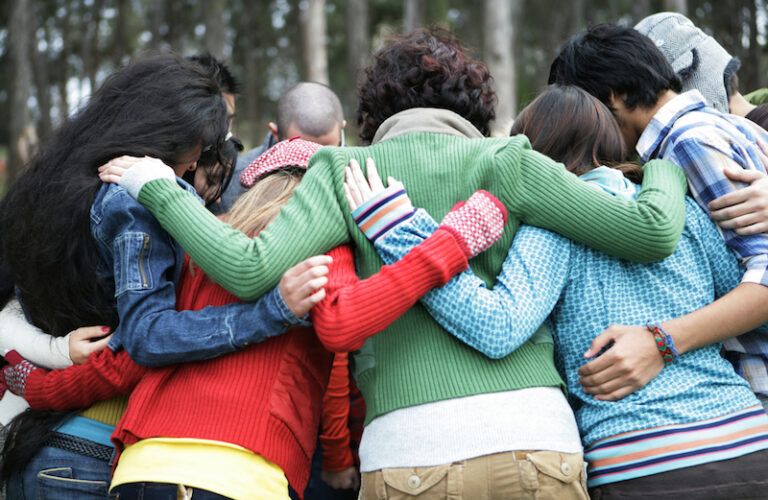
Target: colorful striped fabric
{"points": [[661, 449], [383, 212]]}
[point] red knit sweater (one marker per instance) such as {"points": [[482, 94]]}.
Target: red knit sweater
{"points": [[267, 397]]}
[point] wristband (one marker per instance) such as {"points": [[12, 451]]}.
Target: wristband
{"points": [[664, 342], [383, 212]]}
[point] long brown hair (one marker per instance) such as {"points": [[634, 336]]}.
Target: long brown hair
{"points": [[571, 126]]}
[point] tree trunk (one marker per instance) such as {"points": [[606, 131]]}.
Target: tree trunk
{"points": [[752, 66], [62, 75], [22, 134], [173, 21], [680, 6], [215, 27], [314, 36], [413, 15], [92, 67], [120, 42], [499, 49], [358, 35], [42, 86], [156, 15]]}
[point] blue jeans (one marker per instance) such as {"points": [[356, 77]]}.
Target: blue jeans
{"points": [[160, 491], [56, 474]]}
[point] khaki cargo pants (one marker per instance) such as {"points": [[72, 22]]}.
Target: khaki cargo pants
{"points": [[510, 475]]}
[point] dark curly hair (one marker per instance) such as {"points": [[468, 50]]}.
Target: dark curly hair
{"points": [[425, 69]]}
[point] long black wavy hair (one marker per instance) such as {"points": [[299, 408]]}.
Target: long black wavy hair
{"points": [[160, 105]]}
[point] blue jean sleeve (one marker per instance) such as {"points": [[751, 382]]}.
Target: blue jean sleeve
{"points": [[497, 320], [154, 333]]}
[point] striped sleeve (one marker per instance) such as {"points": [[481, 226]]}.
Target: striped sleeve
{"points": [[383, 212]]}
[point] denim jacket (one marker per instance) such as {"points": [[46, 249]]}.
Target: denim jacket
{"points": [[146, 265]]}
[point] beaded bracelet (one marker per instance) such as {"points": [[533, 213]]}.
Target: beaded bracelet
{"points": [[664, 342]]}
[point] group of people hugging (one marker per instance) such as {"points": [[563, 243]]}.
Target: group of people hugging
{"points": [[573, 311]]}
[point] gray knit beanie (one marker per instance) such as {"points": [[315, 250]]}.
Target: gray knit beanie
{"points": [[699, 61]]}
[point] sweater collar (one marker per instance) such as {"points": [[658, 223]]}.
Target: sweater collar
{"points": [[432, 120]]}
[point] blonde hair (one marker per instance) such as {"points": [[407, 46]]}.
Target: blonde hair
{"points": [[258, 206]]}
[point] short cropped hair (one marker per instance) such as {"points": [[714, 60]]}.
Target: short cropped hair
{"points": [[425, 69], [608, 59], [311, 107]]}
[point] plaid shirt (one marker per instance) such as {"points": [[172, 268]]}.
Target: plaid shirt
{"points": [[703, 141]]}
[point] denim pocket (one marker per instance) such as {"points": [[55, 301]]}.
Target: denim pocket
{"points": [[61, 483], [131, 253]]}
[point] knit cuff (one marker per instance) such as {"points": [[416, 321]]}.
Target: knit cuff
{"points": [[478, 223], [139, 175], [15, 375], [383, 212]]}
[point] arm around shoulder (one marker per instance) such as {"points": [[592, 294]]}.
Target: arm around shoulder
{"points": [[541, 192], [311, 223]]}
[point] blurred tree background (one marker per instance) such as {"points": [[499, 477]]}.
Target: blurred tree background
{"points": [[54, 52]]}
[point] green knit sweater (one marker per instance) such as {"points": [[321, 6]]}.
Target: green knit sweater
{"points": [[415, 361]]}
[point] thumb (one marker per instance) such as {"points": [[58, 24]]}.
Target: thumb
{"points": [[743, 175], [599, 343]]}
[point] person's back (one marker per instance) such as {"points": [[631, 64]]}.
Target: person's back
{"points": [[602, 290], [437, 159], [697, 410]]}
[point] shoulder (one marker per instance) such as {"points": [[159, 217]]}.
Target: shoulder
{"points": [[246, 158], [115, 212], [111, 198], [714, 129]]}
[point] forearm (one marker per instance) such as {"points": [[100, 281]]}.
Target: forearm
{"points": [[32, 343], [310, 223], [354, 312], [493, 321], [542, 193], [740, 311], [106, 374], [164, 337], [334, 429]]}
